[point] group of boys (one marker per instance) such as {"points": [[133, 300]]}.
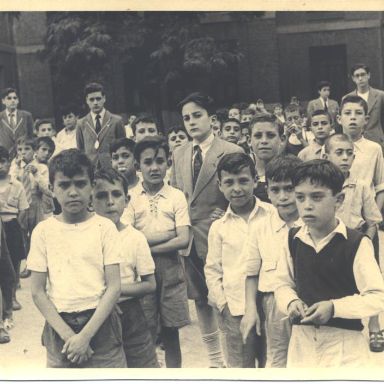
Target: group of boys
{"points": [[270, 228]]}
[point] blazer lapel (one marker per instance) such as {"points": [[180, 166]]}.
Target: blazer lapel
{"points": [[19, 120], [186, 171], [105, 125], [209, 167], [4, 119], [89, 124], [372, 98]]}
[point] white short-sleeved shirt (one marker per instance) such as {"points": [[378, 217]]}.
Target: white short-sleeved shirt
{"points": [[65, 140], [12, 200], [137, 258], [74, 256], [165, 211]]}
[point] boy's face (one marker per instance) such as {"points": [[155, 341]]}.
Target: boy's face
{"points": [[43, 153], [145, 129], [293, 117], [265, 140], [246, 118], [153, 166], [11, 101], [109, 199], [325, 92], [25, 152], [231, 132], [237, 188], [123, 161], [234, 113], [176, 139], [95, 101], [45, 130], [282, 196], [278, 111], [4, 168], [70, 120], [321, 127], [360, 77], [73, 193], [341, 154], [353, 119], [216, 127], [197, 122], [316, 204]]}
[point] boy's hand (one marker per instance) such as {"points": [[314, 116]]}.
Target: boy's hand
{"points": [[30, 168], [77, 348], [296, 309], [296, 129], [250, 319], [80, 359], [318, 313], [218, 213]]}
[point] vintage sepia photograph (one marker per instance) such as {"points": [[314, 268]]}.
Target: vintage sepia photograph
{"points": [[191, 189]]}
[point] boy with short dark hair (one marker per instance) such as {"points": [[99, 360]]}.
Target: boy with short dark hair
{"points": [[82, 327], [225, 265], [328, 278], [247, 115], [66, 138], [262, 256], [231, 131], [177, 136], [144, 125], [110, 197], [294, 130], [320, 123], [161, 213], [44, 128]]}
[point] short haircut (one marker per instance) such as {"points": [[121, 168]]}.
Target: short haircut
{"points": [[235, 106], [177, 129], [290, 108], [202, 100], [231, 120], [4, 154], [111, 175], [5, 92], [45, 140], [68, 109], [336, 137], [235, 163], [278, 105], [323, 83], [282, 168], [143, 118], [40, 122], [319, 112], [70, 162], [222, 113], [248, 111], [26, 140], [122, 142], [154, 142], [267, 118], [93, 87], [320, 172], [356, 100], [359, 66]]}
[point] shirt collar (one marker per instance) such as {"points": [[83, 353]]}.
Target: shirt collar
{"points": [[357, 144], [304, 235], [11, 113], [101, 113], [164, 192], [349, 182], [258, 205], [278, 223], [204, 145]]}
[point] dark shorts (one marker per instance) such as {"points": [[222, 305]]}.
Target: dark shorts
{"points": [[15, 240], [169, 304], [106, 344], [138, 345], [194, 270]]}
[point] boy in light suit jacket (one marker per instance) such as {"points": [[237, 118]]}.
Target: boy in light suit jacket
{"points": [[96, 130], [194, 171], [14, 123]]}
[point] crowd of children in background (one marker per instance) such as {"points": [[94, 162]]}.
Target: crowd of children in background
{"points": [[267, 218]]}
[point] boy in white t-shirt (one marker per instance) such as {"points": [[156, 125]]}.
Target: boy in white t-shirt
{"points": [[137, 271], [78, 254]]}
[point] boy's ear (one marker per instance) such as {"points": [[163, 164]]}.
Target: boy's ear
{"points": [[340, 199], [338, 119], [127, 200], [136, 165]]}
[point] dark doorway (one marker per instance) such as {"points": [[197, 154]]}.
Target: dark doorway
{"points": [[329, 63]]}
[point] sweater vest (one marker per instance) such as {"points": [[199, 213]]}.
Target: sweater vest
{"points": [[328, 274]]}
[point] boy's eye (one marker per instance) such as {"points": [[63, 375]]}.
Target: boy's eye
{"points": [[274, 190], [257, 135], [80, 183], [125, 156], [141, 130], [160, 161], [117, 194], [289, 189], [173, 138], [186, 118], [317, 197], [64, 185], [115, 158], [300, 198], [271, 135], [101, 195]]}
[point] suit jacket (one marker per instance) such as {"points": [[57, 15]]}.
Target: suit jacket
{"points": [[374, 129], [333, 108], [206, 196], [112, 128], [8, 136]]}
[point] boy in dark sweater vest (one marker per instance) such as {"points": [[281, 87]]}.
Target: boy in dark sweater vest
{"points": [[328, 279]]}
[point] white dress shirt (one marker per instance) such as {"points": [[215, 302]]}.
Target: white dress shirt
{"points": [[101, 114]]}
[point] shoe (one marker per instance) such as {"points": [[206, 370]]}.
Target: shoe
{"points": [[25, 273], [16, 306], [8, 323], [376, 341], [4, 336]]}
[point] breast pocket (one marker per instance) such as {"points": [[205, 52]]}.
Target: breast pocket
{"points": [[269, 265]]}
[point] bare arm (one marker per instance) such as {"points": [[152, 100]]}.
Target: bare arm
{"points": [[179, 242], [141, 288], [380, 199], [155, 238]]}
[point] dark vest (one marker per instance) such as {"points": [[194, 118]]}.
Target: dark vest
{"points": [[328, 274]]}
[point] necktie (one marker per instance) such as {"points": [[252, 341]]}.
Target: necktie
{"points": [[325, 106], [98, 124], [12, 120], [26, 181], [197, 163]]}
